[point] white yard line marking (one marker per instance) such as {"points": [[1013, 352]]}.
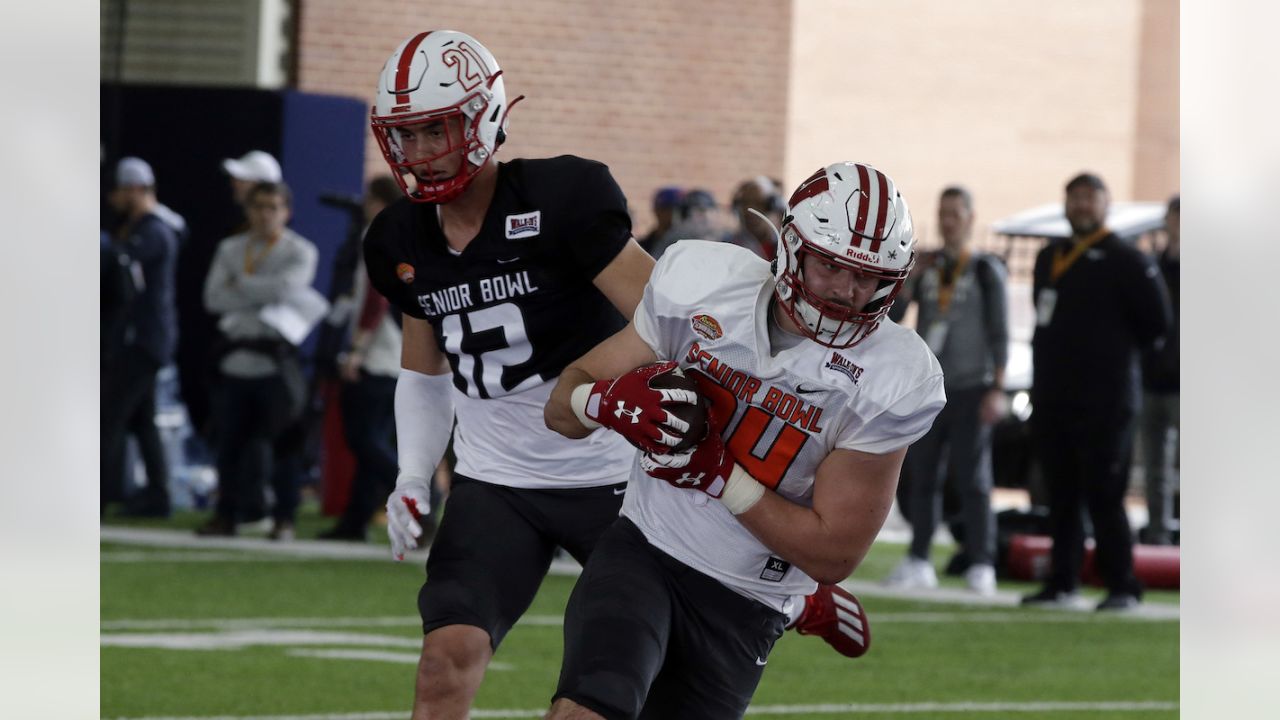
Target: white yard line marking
{"points": [[831, 709], [412, 621], [260, 547], [188, 557], [239, 639], [379, 656], [376, 655]]}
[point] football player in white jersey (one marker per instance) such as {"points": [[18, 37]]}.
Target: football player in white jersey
{"points": [[505, 272], [814, 397]]}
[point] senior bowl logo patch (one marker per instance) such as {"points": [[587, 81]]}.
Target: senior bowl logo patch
{"points": [[706, 326], [844, 366], [404, 271]]}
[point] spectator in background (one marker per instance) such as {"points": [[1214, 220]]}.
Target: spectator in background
{"points": [[199, 336], [1098, 302], [146, 330], [665, 203], [960, 297], [1159, 418], [699, 220], [256, 397], [369, 369], [762, 195], [248, 170]]}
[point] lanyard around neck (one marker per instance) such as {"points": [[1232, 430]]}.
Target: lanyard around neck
{"points": [[1063, 259], [947, 286]]}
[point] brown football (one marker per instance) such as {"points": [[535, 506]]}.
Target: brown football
{"points": [[695, 415]]}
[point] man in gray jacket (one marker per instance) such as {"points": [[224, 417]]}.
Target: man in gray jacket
{"points": [[960, 298], [258, 392]]}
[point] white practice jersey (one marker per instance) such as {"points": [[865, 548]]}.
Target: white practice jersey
{"points": [[706, 306], [506, 441]]}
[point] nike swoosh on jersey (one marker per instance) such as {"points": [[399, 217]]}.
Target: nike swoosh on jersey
{"points": [[619, 491], [761, 662], [802, 390], [507, 261]]}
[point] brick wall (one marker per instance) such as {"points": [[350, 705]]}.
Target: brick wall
{"points": [[663, 91], [1008, 97], [1157, 155]]}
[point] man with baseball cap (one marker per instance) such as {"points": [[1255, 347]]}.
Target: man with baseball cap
{"points": [[249, 169], [149, 244]]}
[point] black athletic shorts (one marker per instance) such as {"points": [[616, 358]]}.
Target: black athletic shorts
{"points": [[494, 546], [646, 636]]}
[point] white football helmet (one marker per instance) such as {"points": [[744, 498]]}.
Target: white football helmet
{"points": [[850, 214], [433, 76]]}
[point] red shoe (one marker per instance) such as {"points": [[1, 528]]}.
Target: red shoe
{"points": [[836, 616]]}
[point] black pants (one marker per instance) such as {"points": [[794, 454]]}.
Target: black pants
{"points": [[646, 636], [1085, 454], [957, 446], [250, 415], [495, 545], [369, 424], [129, 407]]}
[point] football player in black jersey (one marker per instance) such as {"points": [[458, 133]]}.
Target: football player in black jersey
{"points": [[505, 272]]}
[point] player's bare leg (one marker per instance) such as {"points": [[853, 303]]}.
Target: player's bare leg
{"points": [[453, 661], [566, 709]]}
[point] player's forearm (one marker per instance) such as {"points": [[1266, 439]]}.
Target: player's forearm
{"points": [[559, 414], [802, 537]]}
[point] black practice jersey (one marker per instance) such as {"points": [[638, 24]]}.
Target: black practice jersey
{"points": [[518, 304]]}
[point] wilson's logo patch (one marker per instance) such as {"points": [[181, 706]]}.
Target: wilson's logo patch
{"points": [[524, 225], [706, 326], [844, 366]]}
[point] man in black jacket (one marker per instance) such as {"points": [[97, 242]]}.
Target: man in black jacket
{"points": [[1099, 301], [1159, 420], [149, 243]]}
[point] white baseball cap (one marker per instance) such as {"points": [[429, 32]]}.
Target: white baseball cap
{"points": [[255, 166], [134, 172]]}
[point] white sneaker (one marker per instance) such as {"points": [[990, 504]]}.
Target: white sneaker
{"points": [[912, 573], [981, 579]]}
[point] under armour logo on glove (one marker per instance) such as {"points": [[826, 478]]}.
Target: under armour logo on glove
{"points": [[639, 409], [686, 478], [633, 414], [706, 467]]}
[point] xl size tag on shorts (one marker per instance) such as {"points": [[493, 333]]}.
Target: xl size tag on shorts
{"points": [[774, 569], [1044, 306]]}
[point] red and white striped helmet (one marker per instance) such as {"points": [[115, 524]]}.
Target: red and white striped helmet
{"points": [[850, 214], [430, 77]]}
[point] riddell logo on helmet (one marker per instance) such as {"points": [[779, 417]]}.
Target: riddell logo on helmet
{"points": [[842, 365], [401, 108], [706, 326], [860, 255], [404, 271]]}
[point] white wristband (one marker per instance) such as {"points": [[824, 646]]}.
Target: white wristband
{"points": [[741, 491], [578, 401]]}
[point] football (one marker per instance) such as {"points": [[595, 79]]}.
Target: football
{"points": [[695, 415]]}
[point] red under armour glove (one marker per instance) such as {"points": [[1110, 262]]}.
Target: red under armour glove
{"points": [[632, 407], [835, 615], [706, 467]]}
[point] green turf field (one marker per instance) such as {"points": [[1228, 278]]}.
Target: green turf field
{"points": [[193, 632]]}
